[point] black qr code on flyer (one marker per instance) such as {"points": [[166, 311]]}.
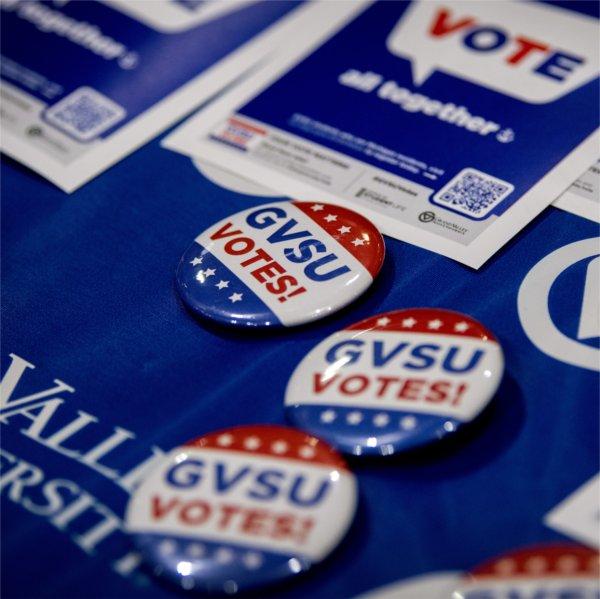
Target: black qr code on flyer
{"points": [[473, 193], [84, 114]]}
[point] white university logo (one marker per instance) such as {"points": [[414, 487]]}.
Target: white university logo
{"points": [[534, 311]]}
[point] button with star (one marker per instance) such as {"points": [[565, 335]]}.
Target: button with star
{"points": [[242, 508], [396, 381], [544, 570], [280, 264]]}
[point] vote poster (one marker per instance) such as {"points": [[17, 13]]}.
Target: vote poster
{"points": [[85, 83], [450, 126]]}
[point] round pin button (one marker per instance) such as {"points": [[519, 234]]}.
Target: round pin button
{"points": [[395, 381], [280, 264], [242, 508], [552, 570]]}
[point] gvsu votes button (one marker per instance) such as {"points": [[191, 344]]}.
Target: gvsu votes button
{"points": [[280, 264], [396, 381], [242, 508]]}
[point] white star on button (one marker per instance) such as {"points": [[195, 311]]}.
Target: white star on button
{"points": [[409, 323], [317, 207], [449, 427], [383, 322], [252, 443], [306, 452], [167, 547], [567, 563], [235, 297], [434, 324], [195, 550], [225, 440], [505, 566], [408, 422], [358, 241], [252, 560], [202, 275], [343, 230], [327, 416], [222, 284], [279, 447], [354, 418], [196, 261], [380, 420], [331, 218], [461, 327], [223, 555], [536, 564]]}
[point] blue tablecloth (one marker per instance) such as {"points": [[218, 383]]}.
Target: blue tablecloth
{"points": [[88, 299]]}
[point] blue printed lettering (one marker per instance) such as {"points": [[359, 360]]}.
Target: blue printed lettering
{"points": [[381, 358], [317, 496], [310, 269], [186, 474]]}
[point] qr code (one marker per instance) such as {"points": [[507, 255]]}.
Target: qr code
{"points": [[84, 114], [473, 193]]}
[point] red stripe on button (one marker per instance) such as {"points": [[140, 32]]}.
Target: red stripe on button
{"points": [[564, 560], [426, 320], [274, 442], [354, 232]]}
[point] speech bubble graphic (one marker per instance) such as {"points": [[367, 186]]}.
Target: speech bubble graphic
{"points": [[535, 53]]}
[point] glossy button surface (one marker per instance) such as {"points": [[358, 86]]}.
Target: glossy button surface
{"points": [[395, 381], [552, 570], [242, 508], [280, 264], [433, 585]]}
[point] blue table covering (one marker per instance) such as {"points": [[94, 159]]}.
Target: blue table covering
{"points": [[88, 298]]}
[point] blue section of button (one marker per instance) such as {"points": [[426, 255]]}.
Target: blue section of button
{"points": [[211, 290], [366, 431], [196, 564]]}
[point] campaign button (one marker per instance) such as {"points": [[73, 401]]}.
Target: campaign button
{"points": [[395, 381], [242, 508], [552, 570], [280, 264]]}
